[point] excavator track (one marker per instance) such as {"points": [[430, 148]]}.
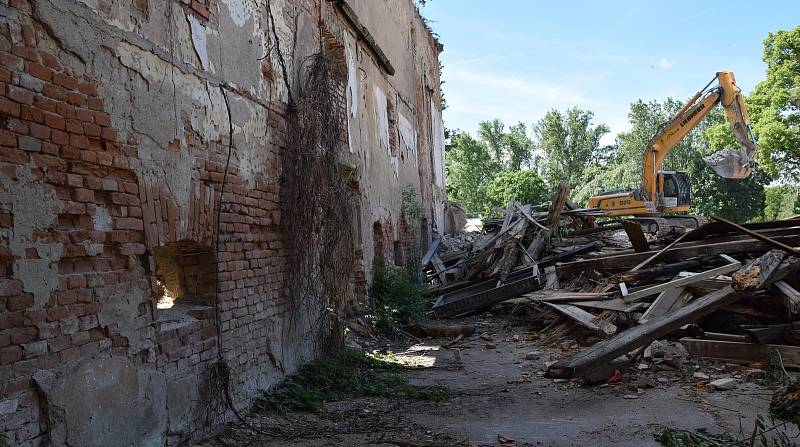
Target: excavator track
{"points": [[665, 225]]}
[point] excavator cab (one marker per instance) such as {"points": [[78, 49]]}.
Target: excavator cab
{"points": [[676, 191]]}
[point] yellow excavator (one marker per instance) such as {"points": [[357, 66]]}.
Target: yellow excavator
{"points": [[664, 197]]}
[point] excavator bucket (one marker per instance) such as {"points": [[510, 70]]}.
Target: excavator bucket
{"points": [[734, 163], [730, 163]]}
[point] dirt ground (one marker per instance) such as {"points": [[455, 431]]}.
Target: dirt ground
{"points": [[498, 390]]}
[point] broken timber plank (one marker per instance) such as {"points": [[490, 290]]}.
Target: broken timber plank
{"points": [[439, 265], [789, 295], [660, 252], [679, 253], [666, 301], [755, 273], [743, 352], [431, 251], [636, 236], [684, 281], [766, 334], [616, 305], [654, 272], [624, 342], [775, 244], [584, 318]]}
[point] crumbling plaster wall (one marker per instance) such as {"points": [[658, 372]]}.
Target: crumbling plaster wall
{"points": [[116, 120]]}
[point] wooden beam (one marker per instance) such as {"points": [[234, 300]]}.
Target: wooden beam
{"points": [[624, 342], [684, 281], [363, 35], [775, 244], [659, 252], [654, 272], [584, 318], [636, 236], [757, 272], [742, 352], [431, 251], [666, 301], [678, 253], [789, 295]]}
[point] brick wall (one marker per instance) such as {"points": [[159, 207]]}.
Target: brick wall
{"points": [[104, 161]]}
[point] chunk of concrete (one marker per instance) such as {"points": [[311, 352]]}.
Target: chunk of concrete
{"points": [[724, 384]]}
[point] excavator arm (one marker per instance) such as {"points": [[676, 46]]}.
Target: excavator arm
{"points": [[727, 163]]}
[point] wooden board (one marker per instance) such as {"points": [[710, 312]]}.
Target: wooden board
{"points": [[680, 253], [584, 318], [616, 304], [607, 350], [683, 281], [789, 296], [743, 352], [636, 236], [666, 301]]}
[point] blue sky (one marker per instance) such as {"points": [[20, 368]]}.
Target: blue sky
{"points": [[517, 59]]}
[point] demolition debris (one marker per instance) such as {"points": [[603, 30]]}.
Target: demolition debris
{"points": [[619, 289]]}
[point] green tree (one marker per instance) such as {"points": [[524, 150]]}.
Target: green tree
{"points": [[519, 147], [741, 200], [491, 134], [470, 167], [570, 142], [775, 106], [781, 202], [525, 186]]}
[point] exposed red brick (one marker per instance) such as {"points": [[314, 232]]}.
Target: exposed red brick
{"points": [[39, 71], [31, 113], [109, 134], [55, 121], [79, 141], [54, 91], [76, 99], [39, 131], [20, 95], [26, 53], [87, 88], [65, 81], [8, 107], [95, 103], [200, 9], [10, 355], [49, 60], [102, 119]]}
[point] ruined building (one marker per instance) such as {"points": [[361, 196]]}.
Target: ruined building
{"points": [[145, 149]]}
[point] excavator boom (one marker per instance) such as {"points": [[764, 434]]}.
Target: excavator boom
{"points": [[668, 192]]}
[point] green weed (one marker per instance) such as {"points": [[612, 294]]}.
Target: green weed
{"points": [[349, 374], [671, 437], [399, 297]]}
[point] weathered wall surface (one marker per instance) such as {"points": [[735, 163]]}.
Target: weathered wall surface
{"points": [[116, 122]]}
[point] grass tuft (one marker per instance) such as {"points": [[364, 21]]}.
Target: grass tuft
{"points": [[349, 374]]}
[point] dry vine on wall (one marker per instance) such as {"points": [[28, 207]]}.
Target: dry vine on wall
{"points": [[318, 208]]}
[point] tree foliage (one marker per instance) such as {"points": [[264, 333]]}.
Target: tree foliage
{"points": [[525, 186], [781, 202], [775, 106], [570, 142], [470, 167]]}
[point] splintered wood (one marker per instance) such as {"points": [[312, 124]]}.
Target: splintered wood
{"points": [[610, 280]]}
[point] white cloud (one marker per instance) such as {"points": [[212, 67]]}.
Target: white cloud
{"points": [[475, 95], [663, 63]]}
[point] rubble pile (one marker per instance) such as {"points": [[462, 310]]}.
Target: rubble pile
{"points": [[726, 291]]}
